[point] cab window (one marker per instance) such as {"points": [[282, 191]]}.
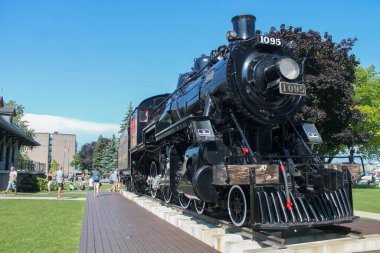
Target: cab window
{"points": [[143, 116]]}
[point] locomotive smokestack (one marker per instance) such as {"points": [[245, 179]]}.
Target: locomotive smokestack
{"points": [[244, 26]]}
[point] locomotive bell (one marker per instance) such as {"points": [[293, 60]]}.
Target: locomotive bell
{"points": [[244, 26]]}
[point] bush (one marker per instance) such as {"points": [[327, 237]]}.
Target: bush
{"points": [[28, 183], [54, 186], [34, 183], [42, 184]]}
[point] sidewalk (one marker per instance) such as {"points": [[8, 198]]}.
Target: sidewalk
{"points": [[40, 198], [374, 216]]}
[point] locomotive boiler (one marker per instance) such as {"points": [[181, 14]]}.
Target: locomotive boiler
{"points": [[227, 139]]}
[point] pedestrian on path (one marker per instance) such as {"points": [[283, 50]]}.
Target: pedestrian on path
{"points": [[115, 181], [49, 178], [60, 182], [12, 180], [118, 179], [96, 176], [91, 183]]}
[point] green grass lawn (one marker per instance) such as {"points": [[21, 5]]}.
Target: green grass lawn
{"points": [[105, 187], [366, 199], [40, 225]]}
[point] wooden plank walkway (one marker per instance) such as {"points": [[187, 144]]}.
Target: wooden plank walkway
{"points": [[113, 223]]}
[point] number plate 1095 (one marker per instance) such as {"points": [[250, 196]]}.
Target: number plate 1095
{"points": [[293, 89]]}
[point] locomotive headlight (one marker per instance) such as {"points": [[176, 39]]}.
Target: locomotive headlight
{"points": [[288, 68]]}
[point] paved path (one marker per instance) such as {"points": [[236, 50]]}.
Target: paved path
{"points": [[40, 198], [113, 223], [374, 216]]}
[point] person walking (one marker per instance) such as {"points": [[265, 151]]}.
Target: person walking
{"points": [[118, 180], [60, 182], [114, 181], [96, 176], [91, 183], [12, 180], [49, 178]]}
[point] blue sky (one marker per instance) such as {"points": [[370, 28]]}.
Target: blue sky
{"points": [[83, 61]]}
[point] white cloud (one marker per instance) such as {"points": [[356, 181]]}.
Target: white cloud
{"points": [[88, 130]]}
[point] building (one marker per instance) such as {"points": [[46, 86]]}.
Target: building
{"points": [[55, 146], [12, 139]]}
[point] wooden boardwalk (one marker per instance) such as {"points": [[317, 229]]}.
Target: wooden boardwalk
{"points": [[113, 223]]}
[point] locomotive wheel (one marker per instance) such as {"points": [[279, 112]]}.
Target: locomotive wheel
{"points": [[237, 206], [199, 206], [184, 201], [153, 174], [167, 194]]}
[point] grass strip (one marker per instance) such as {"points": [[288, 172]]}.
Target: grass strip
{"points": [[40, 226], [366, 199]]}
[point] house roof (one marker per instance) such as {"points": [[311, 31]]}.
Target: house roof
{"points": [[7, 129], [8, 110]]}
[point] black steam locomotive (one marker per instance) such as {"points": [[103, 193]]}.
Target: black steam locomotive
{"points": [[226, 138]]}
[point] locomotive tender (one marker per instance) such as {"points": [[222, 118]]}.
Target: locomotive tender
{"points": [[226, 138]]}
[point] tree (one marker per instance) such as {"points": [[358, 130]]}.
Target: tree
{"points": [[109, 156], [18, 121], [98, 152], [76, 161], [330, 74], [127, 119], [54, 165], [85, 156], [367, 94]]}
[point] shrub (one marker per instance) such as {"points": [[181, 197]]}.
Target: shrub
{"points": [[42, 184], [28, 183], [53, 186]]}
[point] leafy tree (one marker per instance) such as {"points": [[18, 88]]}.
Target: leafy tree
{"points": [[98, 152], [54, 165], [127, 119], [76, 161], [109, 156], [330, 74], [18, 121], [85, 156], [367, 94]]}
